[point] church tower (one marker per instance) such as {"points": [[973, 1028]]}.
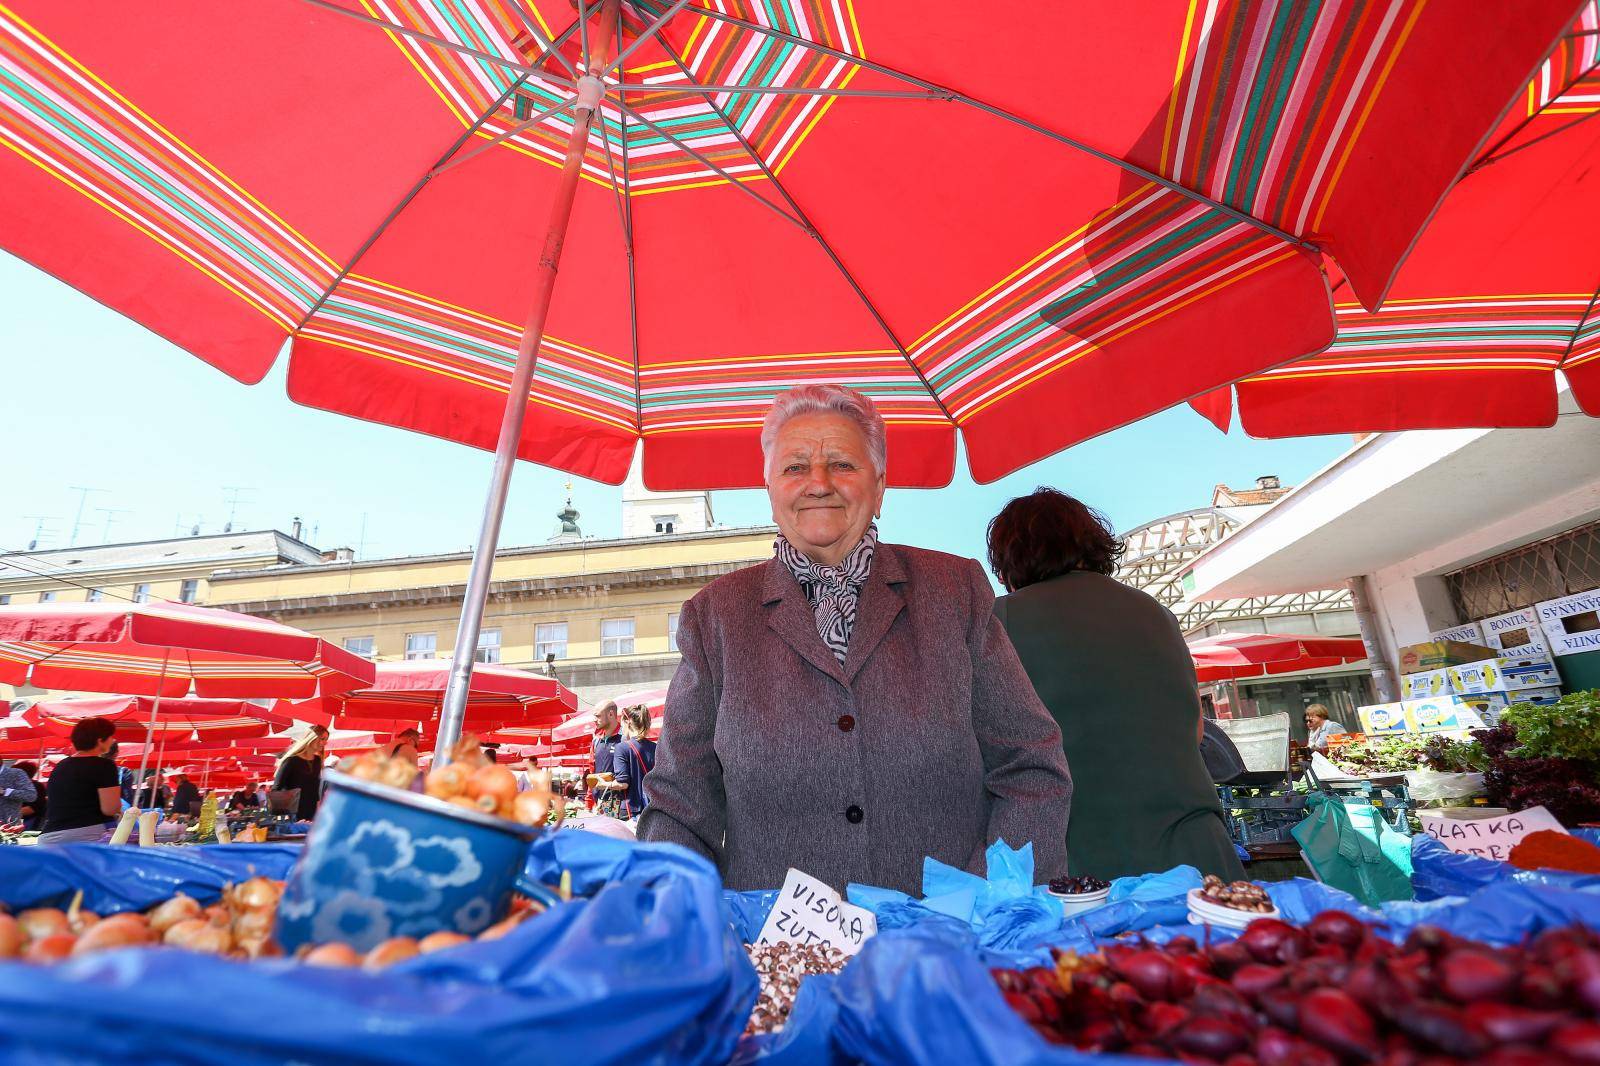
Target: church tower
{"points": [[648, 514]]}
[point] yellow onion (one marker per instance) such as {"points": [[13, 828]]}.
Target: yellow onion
{"points": [[83, 920], [52, 948], [197, 934], [255, 893], [530, 808], [504, 926], [259, 948], [218, 915], [444, 938], [254, 924], [11, 938], [395, 949], [332, 955], [117, 931], [397, 773], [368, 767], [462, 801], [447, 782], [41, 922], [168, 913], [494, 782]]}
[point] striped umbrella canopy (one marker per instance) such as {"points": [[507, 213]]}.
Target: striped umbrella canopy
{"points": [[1028, 230], [187, 723], [1235, 655], [915, 198], [412, 693], [1499, 294], [165, 649]]}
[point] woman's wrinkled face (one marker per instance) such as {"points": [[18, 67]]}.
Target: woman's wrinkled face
{"points": [[823, 486]]}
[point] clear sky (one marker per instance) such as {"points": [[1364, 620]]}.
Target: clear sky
{"points": [[90, 399]]}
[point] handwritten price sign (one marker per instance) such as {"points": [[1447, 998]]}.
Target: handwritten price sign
{"points": [[1487, 838], [809, 912]]}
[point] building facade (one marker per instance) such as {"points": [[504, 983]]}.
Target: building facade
{"points": [[601, 615], [1437, 529], [1159, 560]]}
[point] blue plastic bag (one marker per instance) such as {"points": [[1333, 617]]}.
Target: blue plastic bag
{"points": [[50, 876], [645, 971], [1436, 871]]}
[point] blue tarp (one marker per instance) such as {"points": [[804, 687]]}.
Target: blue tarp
{"points": [[645, 971], [1436, 871]]}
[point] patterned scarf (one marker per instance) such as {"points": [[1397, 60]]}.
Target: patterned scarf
{"points": [[833, 591]]}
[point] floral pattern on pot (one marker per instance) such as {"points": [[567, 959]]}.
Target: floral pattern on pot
{"points": [[376, 867]]}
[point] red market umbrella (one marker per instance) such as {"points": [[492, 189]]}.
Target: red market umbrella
{"points": [[1498, 295], [192, 721], [1235, 655], [581, 726], [1029, 230], [165, 649], [412, 693]]}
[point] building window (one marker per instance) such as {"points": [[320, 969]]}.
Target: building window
{"points": [[94, 596], [665, 523], [186, 593], [5, 598], [616, 636], [141, 593], [672, 632], [421, 645], [47, 597], [362, 646], [488, 646], [549, 638]]}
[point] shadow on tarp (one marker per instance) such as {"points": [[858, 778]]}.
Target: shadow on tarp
{"points": [[645, 971]]}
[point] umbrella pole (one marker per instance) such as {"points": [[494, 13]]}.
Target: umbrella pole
{"points": [[150, 727], [591, 89]]}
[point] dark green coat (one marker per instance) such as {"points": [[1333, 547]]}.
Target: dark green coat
{"points": [[1111, 665]]}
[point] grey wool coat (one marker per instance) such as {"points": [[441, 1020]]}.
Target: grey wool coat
{"points": [[929, 741]]}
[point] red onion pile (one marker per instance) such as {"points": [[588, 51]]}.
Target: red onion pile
{"points": [[1331, 993]]}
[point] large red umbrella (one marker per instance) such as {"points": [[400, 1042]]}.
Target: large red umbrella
{"points": [[1031, 227], [1499, 294], [1235, 655], [191, 721], [412, 693], [164, 649]]}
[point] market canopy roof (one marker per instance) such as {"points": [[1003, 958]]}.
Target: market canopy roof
{"points": [[1229, 656], [1396, 497]]}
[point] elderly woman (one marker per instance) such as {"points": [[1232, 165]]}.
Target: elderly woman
{"points": [[850, 706]]}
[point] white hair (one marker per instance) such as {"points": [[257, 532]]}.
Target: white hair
{"points": [[826, 400]]}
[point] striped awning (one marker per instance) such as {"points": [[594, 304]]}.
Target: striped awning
{"points": [[1029, 226]]}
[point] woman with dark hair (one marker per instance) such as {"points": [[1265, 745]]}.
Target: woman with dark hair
{"points": [[83, 788], [1111, 665]]}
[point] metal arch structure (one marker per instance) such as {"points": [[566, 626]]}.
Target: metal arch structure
{"points": [[1159, 552]]}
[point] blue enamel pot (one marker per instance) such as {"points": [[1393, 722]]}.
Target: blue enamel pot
{"points": [[381, 862]]}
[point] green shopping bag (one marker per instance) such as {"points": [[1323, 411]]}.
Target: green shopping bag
{"points": [[1349, 846]]}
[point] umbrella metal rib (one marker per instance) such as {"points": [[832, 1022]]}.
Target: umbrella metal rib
{"points": [[650, 33], [533, 120], [1002, 113], [467, 50], [545, 43], [816, 235], [729, 178]]}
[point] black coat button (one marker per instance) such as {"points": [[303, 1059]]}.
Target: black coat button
{"points": [[847, 722], [854, 814]]}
